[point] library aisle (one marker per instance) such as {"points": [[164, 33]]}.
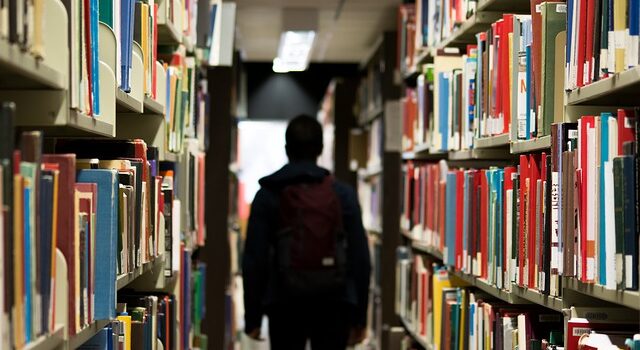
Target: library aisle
{"points": [[492, 146]]}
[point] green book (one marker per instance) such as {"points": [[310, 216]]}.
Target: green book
{"points": [[554, 19], [106, 12]]}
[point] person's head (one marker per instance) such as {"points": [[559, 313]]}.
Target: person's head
{"points": [[304, 139]]}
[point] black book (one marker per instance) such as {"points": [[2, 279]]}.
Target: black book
{"points": [[7, 115]]}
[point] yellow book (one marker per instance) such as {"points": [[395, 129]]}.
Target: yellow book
{"points": [[464, 305], [37, 49], [619, 27], [440, 281], [125, 331], [18, 275]]}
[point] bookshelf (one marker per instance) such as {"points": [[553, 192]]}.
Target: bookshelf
{"points": [[618, 90], [503, 150], [165, 152]]}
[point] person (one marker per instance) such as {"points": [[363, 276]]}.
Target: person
{"points": [[324, 303]]}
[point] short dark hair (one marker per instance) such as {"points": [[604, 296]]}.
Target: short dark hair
{"points": [[304, 138]]}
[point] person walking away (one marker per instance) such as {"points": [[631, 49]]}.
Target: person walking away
{"points": [[306, 263]]}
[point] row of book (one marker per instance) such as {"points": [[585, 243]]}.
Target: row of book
{"points": [[442, 311], [570, 212], [506, 83], [159, 321], [20, 24], [109, 206], [603, 38], [426, 24]]}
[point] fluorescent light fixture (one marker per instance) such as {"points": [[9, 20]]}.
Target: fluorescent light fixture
{"points": [[294, 51]]}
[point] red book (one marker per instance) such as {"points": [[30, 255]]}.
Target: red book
{"points": [[585, 123], [87, 48], [441, 213], [589, 54], [582, 41], [416, 196], [428, 207], [66, 221], [459, 224], [503, 81], [522, 236], [87, 204], [626, 127], [475, 203], [508, 185], [534, 176], [408, 191], [484, 223]]}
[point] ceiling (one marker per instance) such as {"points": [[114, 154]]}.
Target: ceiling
{"points": [[350, 38]]}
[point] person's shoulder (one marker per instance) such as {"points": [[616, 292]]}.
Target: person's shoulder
{"points": [[344, 190]]}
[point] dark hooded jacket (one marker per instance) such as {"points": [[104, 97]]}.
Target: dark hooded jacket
{"points": [[259, 289]]}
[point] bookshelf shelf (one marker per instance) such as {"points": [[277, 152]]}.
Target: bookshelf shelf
{"points": [[533, 145], [370, 115], [550, 302], [374, 230], [492, 290], [370, 172], [152, 106], [618, 90], [421, 152], [168, 34], [420, 340], [87, 333], [421, 247], [169, 156], [480, 154], [466, 33], [124, 280], [127, 103], [491, 142], [48, 341], [21, 70], [630, 299], [517, 6]]}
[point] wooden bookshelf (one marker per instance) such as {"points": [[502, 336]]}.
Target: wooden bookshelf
{"points": [[627, 298], [492, 290], [370, 172], [532, 145], [617, 90], [491, 142], [20, 70], [374, 230], [168, 33], [417, 338], [424, 248]]}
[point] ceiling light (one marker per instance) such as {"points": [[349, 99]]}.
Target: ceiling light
{"points": [[294, 51]]}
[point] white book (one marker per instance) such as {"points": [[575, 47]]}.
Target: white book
{"points": [[522, 332], [175, 235], [556, 250], [591, 203], [610, 232]]}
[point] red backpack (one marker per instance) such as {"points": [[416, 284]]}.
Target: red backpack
{"points": [[310, 244]]}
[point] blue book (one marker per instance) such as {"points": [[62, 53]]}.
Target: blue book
{"points": [[569, 33], [103, 340], [95, 58], [450, 223], [468, 181], [602, 236], [127, 8], [212, 24], [28, 303], [444, 110], [529, 92], [46, 232], [106, 236]]}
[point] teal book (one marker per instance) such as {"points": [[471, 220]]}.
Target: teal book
{"points": [[604, 157], [106, 237], [28, 172], [106, 12], [450, 224]]}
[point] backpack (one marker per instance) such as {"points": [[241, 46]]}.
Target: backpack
{"points": [[310, 248]]}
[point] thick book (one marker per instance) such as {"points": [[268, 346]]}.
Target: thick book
{"points": [[106, 236]]}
